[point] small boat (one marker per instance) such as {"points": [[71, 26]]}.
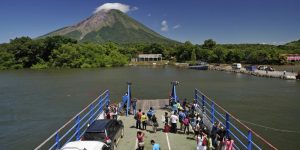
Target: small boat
{"points": [[199, 66]]}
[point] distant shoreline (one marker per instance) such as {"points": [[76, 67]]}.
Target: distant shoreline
{"points": [[260, 73]]}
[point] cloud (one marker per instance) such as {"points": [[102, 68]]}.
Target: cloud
{"points": [[164, 26], [149, 15], [176, 26], [109, 6], [134, 8]]}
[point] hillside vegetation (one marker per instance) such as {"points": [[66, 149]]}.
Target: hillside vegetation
{"points": [[61, 52]]}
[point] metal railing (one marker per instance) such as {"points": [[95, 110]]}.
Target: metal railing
{"points": [[244, 137], [76, 126]]}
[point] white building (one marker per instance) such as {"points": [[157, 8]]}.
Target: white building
{"points": [[149, 57]]}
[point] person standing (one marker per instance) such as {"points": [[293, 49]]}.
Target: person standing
{"points": [[186, 123], [144, 121], [174, 120], [196, 129], [181, 117], [174, 108], [134, 106], [155, 123], [115, 112], [149, 115], [138, 119], [156, 146], [166, 117], [140, 138]]}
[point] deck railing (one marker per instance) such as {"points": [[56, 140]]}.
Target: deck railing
{"points": [[76, 126], [244, 137]]}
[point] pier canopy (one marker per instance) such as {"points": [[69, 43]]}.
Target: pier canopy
{"points": [[150, 57]]}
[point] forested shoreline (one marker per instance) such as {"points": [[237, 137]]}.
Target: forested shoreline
{"points": [[61, 52]]}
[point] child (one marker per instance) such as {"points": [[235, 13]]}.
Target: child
{"points": [[144, 121]]}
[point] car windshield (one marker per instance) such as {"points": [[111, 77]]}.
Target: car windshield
{"points": [[97, 136]]}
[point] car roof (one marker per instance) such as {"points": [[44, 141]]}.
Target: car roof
{"points": [[99, 125], [86, 145]]}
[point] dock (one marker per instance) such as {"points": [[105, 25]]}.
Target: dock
{"points": [[258, 73]]}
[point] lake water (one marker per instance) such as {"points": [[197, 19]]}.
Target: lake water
{"points": [[33, 103]]}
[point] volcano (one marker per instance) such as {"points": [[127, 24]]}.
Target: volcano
{"points": [[112, 25]]}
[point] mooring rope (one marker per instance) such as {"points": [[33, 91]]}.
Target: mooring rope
{"points": [[271, 128]]}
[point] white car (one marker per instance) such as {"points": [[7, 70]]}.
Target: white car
{"points": [[85, 145]]}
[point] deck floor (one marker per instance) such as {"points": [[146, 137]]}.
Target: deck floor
{"points": [[167, 141]]}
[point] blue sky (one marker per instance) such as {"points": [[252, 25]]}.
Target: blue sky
{"points": [[226, 21]]}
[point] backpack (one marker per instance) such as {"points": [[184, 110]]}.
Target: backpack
{"points": [[204, 142], [181, 116], [186, 122], [149, 113], [135, 116]]}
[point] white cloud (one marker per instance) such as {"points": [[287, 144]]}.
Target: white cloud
{"points": [[108, 6], [149, 15], [176, 26], [164, 26], [134, 8]]}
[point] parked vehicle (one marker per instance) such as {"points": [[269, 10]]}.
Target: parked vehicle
{"points": [[266, 68], [108, 131], [86, 145], [263, 67], [250, 68], [236, 66]]}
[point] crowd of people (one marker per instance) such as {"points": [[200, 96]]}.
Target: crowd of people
{"points": [[187, 116], [142, 121], [111, 111]]}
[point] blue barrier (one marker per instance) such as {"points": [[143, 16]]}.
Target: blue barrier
{"points": [[234, 128], [71, 132]]}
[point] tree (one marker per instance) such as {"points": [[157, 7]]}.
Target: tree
{"points": [[6, 60], [193, 57], [209, 44], [184, 51], [220, 55]]}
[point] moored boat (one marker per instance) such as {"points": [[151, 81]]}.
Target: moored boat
{"points": [[199, 66]]}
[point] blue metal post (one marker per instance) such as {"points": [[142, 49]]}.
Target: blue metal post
{"points": [[213, 112], [128, 97], [227, 125], [249, 140], [57, 141], [174, 96], [77, 128]]}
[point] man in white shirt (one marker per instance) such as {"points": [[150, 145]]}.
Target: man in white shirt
{"points": [[174, 119]]}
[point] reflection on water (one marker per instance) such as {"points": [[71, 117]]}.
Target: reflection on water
{"points": [[33, 104]]}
